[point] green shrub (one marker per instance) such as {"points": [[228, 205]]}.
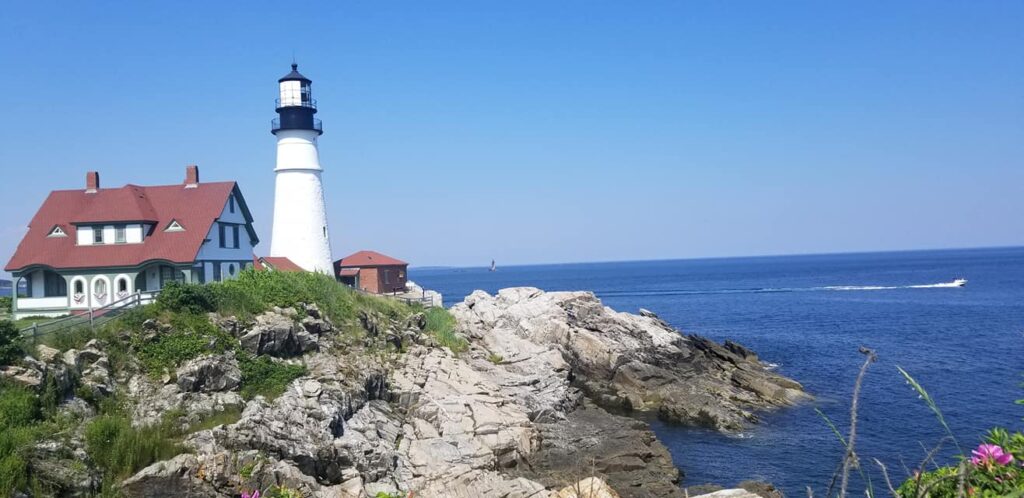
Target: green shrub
{"points": [[18, 407], [228, 416], [11, 348], [19, 414], [265, 377], [190, 336], [5, 304], [441, 324], [495, 358], [120, 450], [189, 298]]}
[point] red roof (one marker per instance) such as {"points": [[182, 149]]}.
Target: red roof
{"points": [[348, 272], [280, 263], [367, 259], [195, 209]]}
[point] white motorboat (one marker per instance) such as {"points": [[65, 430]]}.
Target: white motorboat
{"points": [[960, 282]]}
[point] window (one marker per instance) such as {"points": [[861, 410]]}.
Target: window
{"points": [[97, 235], [231, 269], [387, 276], [122, 286], [216, 272], [325, 231], [231, 203], [174, 226], [79, 287], [234, 236], [54, 285], [119, 237], [220, 229], [57, 232]]}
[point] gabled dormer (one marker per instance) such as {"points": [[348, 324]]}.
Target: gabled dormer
{"points": [[57, 231], [174, 226]]}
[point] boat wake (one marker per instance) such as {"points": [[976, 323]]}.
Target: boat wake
{"points": [[767, 290]]}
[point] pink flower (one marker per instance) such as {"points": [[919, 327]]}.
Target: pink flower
{"points": [[988, 454], [255, 494]]}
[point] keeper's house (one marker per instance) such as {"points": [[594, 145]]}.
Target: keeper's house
{"points": [[90, 247]]}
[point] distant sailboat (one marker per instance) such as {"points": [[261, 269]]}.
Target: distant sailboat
{"points": [[493, 267]]}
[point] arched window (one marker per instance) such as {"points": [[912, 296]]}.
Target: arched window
{"points": [[79, 287], [122, 285]]}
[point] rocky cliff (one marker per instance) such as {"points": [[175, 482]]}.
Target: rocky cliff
{"points": [[382, 410]]}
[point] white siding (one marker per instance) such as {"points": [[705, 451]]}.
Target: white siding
{"points": [[212, 254], [84, 235], [133, 234]]}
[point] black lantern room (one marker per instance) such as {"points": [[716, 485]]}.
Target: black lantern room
{"points": [[295, 104]]}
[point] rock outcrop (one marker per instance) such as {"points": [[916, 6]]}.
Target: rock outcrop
{"points": [[625, 361], [281, 333], [535, 408]]}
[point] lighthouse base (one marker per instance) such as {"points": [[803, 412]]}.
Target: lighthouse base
{"points": [[300, 221]]}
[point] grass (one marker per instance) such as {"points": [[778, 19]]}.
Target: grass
{"points": [[120, 449], [262, 376], [39, 320], [495, 358], [191, 335], [229, 416], [441, 324]]}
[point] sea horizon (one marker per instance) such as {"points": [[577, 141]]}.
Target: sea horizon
{"points": [[718, 258]]}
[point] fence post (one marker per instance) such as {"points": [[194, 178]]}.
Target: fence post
{"points": [[35, 333], [91, 327]]}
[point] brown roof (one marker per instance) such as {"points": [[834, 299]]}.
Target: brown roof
{"points": [[280, 263], [195, 209], [367, 259], [348, 272]]}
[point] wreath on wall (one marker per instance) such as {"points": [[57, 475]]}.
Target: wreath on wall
{"points": [[78, 298]]}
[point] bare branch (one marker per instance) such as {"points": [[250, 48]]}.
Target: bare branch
{"points": [[885, 474], [851, 456]]}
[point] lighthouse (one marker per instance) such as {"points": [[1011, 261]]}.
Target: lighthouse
{"points": [[300, 216]]}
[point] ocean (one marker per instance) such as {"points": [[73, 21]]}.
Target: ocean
{"points": [[809, 315]]}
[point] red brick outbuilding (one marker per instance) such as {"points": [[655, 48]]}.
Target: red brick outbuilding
{"points": [[373, 272]]}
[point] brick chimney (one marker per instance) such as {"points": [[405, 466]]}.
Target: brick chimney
{"points": [[92, 182], [191, 176]]}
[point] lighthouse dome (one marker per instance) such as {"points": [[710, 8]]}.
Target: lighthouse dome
{"points": [[295, 75]]}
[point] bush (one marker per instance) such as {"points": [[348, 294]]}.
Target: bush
{"points": [[18, 407], [441, 324], [5, 304], [190, 336], [190, 298], [19, 413], [120, 450], [11, 348], [262, 376]]}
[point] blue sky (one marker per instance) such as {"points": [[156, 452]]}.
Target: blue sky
{"points": [[538, 131]]}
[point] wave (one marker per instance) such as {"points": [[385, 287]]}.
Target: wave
{"points": [[767, 290]]}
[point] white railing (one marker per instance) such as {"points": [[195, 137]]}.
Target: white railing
{"points": [[91, 317]]}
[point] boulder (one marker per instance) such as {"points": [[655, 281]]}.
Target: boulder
{"points": [[591, 487], [174, 478], [729, 493], [47, 354], [624, 452], [28, 377], [277, 333], [210, 373]]}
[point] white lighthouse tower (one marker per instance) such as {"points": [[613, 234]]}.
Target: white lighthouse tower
{"points": [[300, 216]]}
